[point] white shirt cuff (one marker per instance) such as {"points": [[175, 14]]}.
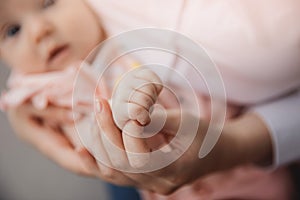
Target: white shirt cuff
{"points": [[282, 117]]}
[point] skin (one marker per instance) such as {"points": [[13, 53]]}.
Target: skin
{"points": [[132, 99], [29, 32], [33, 30], [30, 29], [234, 148]]}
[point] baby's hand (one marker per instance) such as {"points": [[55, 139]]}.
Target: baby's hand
{"points": [[132, 100], [134, 96]]}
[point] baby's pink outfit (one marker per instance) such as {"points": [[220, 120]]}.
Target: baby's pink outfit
{"points": [[53, 88], [49, 88], [74, 88]]}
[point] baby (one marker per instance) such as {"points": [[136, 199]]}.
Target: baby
{"points": [[44, 42], [41, 38]]}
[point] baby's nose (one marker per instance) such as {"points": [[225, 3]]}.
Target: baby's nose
{"points": [[39, 28]]}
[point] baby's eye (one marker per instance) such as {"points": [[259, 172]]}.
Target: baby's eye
{"points": [[13, 30], [48, 3]]}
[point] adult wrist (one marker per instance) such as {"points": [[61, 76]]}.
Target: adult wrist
{"points": [[252, 140]]}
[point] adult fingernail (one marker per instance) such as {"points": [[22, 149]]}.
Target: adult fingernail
{"points": [[98, 106]]}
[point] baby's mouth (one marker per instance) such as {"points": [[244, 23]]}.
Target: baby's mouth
{"points": [[57, 54]]}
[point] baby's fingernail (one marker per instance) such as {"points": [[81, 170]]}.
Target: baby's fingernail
{"points": [[98, 106]]}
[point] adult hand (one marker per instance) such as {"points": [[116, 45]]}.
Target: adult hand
{"points": [[132, 100], [27, 122], [184, 170], [231, 150]]}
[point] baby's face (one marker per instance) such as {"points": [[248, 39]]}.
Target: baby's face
{"points": [[45, 35]]}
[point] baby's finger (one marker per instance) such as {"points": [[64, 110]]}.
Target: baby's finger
{"points": [[138, 103], [138, 113], [142, 98], [137, 149], [131, 104], [150, 77]]}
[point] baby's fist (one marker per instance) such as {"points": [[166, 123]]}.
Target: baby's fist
{"points": [[135, 94]]}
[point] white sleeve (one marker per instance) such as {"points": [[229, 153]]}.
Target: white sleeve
{"points": [[282, 117]]}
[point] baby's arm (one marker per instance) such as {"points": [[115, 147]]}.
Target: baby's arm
{"points": [[132, 100]]}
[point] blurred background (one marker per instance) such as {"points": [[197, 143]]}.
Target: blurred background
{"points": [[25, 174]]}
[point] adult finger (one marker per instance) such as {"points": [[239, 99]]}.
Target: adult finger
{"points": [[111, 135], [137, 149], [52, 144], [117, 143], [103, 172], [51, 113]]}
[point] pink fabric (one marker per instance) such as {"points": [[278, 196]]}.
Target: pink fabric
{"points": [[262, 63], [56, 89], [253, 44], [50, 88]]}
